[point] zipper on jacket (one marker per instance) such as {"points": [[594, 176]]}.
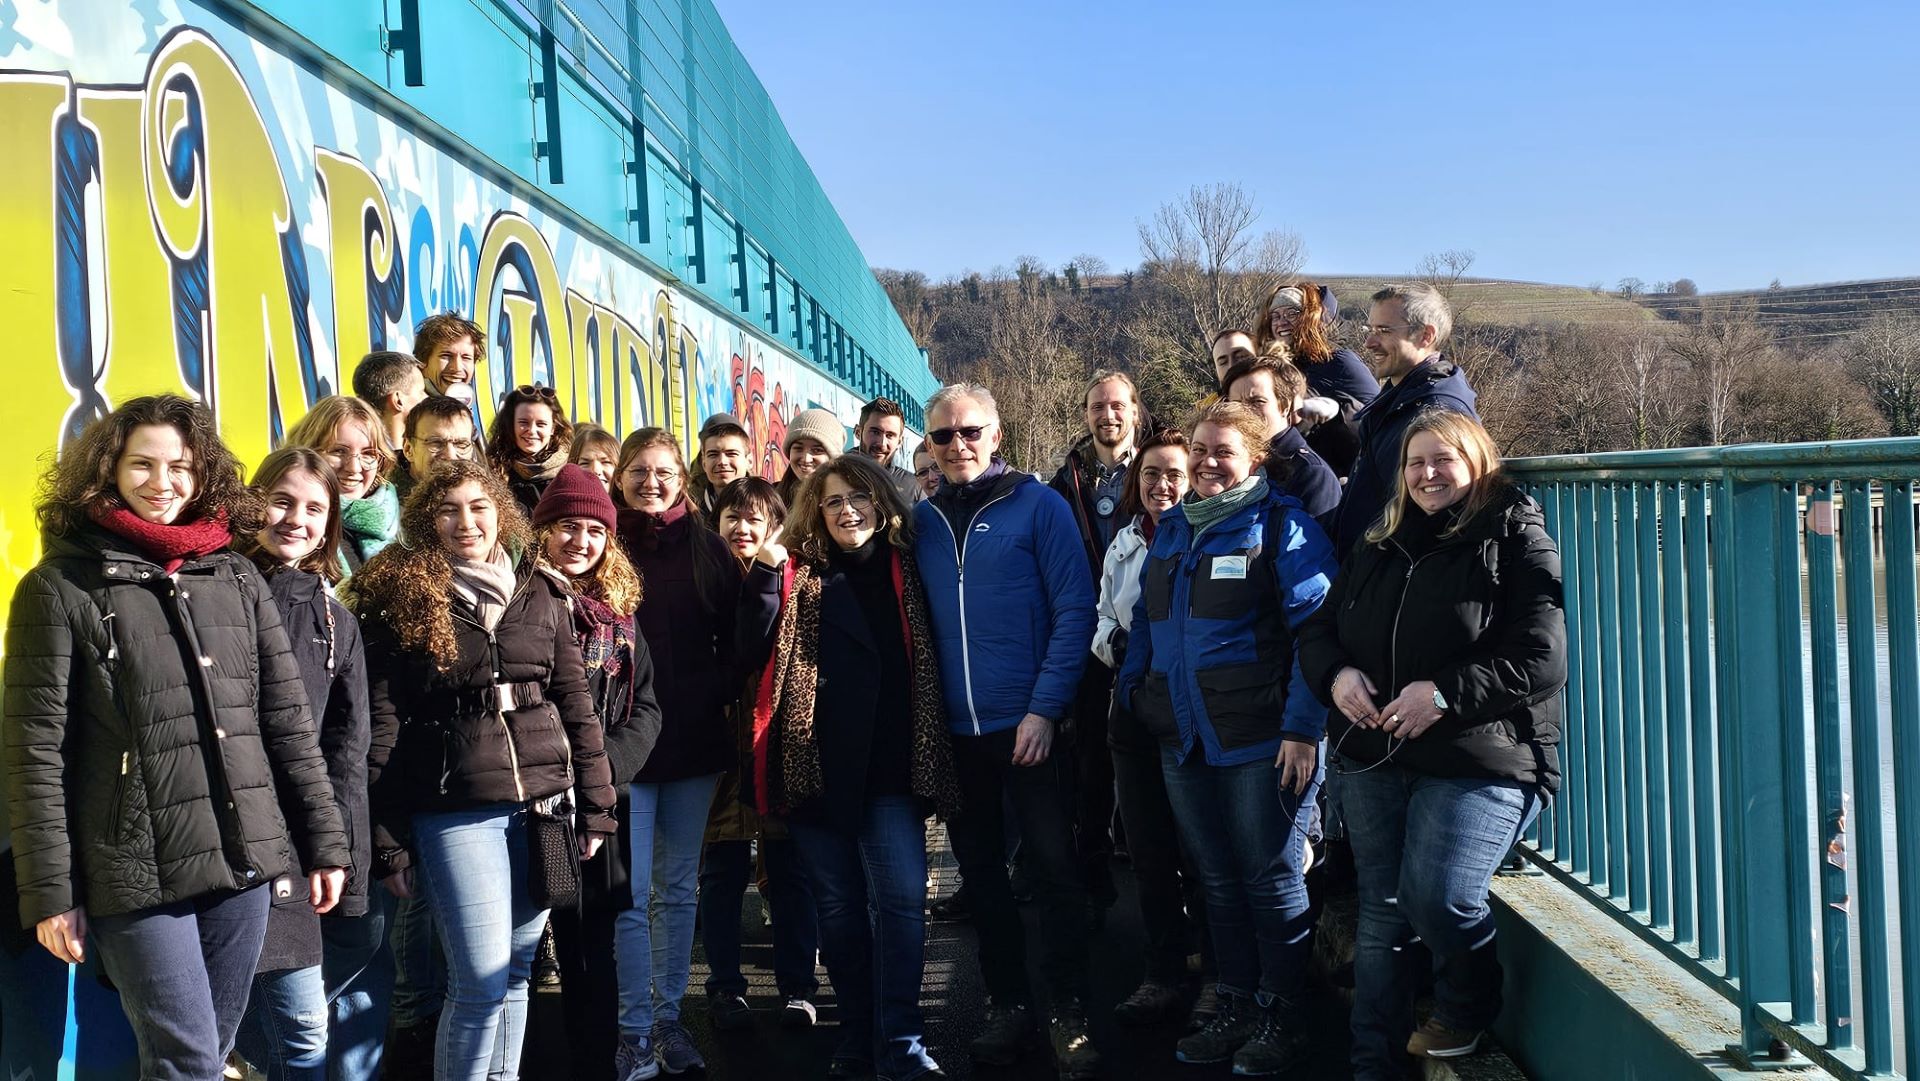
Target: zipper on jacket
{"points": [[1393, 640], [119, 820], [960, 569], [493, 669]]}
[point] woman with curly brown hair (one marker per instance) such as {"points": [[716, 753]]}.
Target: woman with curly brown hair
{"points": [[850, 745], [155, 729], [573, 533], [481, 714], [529, 441], [1295, 324]]}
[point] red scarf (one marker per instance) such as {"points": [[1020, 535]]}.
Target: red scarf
{"points": [[167, 545]]}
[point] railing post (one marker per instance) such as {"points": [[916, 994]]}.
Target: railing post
{"points": [[1749, 681]]}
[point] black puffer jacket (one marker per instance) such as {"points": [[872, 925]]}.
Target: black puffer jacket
{"points": [[149, 719], [1481, 615], [440, 745], [325, 639]]}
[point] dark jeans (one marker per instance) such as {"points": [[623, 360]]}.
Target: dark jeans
{"points": [[184, 971], [1167, 896], [1042, 798], [1093, 781], [873, 931], [724, 875], [1247, 837], [583, 944], [1424, 850]]}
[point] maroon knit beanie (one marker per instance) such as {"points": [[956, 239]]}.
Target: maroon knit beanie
{"points": [[574, 493]]}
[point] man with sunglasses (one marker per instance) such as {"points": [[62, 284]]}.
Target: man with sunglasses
{"points": [[1012, 605], [1405, 329]]}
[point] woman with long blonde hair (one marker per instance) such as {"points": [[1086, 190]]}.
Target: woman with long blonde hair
{"points": [[1443, 649]]}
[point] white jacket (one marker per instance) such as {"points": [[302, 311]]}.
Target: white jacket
{"points": [[1119, 588]]}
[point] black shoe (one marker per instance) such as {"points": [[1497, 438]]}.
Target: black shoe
{"points": [[409, 1050], [1277, 1045], [1007, 1035], [546, 966], [729, 1013], [1219, 1038], [1073, 1052], [1151, 1003], [1205, 1006], [952, 908]]}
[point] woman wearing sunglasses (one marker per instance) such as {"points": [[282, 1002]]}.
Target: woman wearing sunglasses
{"points": [[528, 441], [850, 745]]}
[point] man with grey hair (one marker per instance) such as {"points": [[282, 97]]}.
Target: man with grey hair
{"points": [[1011, 641], [1405, 329]]}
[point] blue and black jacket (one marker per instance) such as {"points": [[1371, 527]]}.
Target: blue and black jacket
{"points": [[1210, 661]]}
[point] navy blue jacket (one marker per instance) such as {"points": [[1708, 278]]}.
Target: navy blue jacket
{"points": [[1436, 384], [1294, 469], [1012, 639], [1214, 666], [1346, 379]]}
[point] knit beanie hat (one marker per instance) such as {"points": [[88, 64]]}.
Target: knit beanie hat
{"points": [[574, 493], [818, 424]]}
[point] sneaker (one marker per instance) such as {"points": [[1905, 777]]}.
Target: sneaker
{"points": [[951, 909], [674, 1044], [730, 1013], [1275, 1046], [1219, 1038], [1073, 1052], [1205, 1005], [633, 1060], [1435, 1040], [798, 1013], [1006, 1035], [1150, 1004]]}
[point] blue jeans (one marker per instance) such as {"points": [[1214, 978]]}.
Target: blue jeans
{"points": [[285, 1028], [1424, 850], [475, 864], [184, 971], [359, 974], [1246, 837], [653, 940], [724, 874], [871, 889], [419, 965]]}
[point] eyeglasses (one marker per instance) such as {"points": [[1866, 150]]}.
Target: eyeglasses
{"points": [[441, 446], [643, 473], [1371, 329], [338, 458], [926, 472], [940, 437], [860, 502]]}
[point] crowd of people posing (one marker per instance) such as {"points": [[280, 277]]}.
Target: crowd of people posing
{"points": [[310, 755]]}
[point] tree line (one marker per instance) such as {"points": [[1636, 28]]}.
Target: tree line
{"points": [[1709, 373]]}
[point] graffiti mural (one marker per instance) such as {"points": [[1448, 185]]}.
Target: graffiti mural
{"points": [[189, 210]]}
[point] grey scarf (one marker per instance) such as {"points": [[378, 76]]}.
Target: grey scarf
{"points": [[486, 584]]}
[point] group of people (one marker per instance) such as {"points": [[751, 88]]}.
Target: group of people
{"points": [[310, 760]]}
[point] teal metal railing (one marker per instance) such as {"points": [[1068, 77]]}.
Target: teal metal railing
{"points": [[1742, 729]]}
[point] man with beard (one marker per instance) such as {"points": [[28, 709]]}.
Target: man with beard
{"points": [[1405, 329], [1092, 480], [882, 427]]}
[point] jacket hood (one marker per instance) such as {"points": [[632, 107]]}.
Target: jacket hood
{"points": [[1437, 376], [93, 543]]}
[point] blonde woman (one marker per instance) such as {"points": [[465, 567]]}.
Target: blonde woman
{"points": [[353, 439]]}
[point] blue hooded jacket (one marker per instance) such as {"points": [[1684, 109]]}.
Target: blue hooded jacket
{"points": [[1012, 635], [1210, 661], [1436, 384]]}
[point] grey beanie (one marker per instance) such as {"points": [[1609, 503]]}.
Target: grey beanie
{"points": [[818, 424]]}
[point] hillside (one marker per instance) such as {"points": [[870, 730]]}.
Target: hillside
{"points": [[1511, 303], [1805, 313]]}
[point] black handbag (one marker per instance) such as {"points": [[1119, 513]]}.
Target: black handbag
{"points": [[553, 855]]}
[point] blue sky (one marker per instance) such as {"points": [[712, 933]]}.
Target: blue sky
{"points": [[1727, 142]]}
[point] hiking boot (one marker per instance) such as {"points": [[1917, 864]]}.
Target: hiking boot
{"points": [[1205, 1005], [1435, 1040], [1277, 1045], [730, 1013], [798, 1013], [1073, 1052], [1006, 1035], [633, 1060], [952, 908], [1151, 1003], [674, 1044], [1218, 1039], [546, 964]]}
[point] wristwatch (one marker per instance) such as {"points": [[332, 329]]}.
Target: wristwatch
{"points": [[1439, 700]]}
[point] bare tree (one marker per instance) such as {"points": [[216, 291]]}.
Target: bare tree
{"points": [[1714, 349], [1037, 375], [1684, 287], [912, 299], [1443, 270], [1884, 356], [1091, 267], [1204, 248], [1632, 287]]}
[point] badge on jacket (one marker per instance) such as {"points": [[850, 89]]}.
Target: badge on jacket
{"points": [[1229, 567]]}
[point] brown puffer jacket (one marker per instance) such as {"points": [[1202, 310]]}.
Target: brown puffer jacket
{"points": [[439, 741], [155, 728]]}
